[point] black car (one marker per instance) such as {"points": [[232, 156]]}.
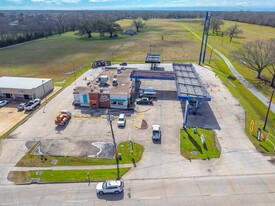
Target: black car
{"points": [[144, 100], [123, 64]]}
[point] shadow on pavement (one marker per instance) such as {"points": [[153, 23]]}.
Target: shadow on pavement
{"points": [[204, 118], [111, 197]]}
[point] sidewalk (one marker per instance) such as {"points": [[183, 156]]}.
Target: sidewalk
{"points": [[90, 167]]}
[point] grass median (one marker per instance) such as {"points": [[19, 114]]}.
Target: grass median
{"points": [[48, 176], [128, 157], [192, 147]]}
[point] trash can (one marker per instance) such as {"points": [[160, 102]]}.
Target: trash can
{"points": [[119, 156]]}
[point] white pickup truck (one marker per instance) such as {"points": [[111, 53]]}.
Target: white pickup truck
{"points": [[31, 105]]}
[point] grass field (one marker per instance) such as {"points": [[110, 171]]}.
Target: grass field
{"points": [[53, 57], [190, 142], [30, 160]]}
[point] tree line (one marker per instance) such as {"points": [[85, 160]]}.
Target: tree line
{"points": [[20, 26]]}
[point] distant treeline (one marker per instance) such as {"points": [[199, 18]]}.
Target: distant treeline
{"points": [[21, 26]]}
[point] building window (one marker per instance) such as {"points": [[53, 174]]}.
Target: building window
{"points": [[120, 103], [113, 102]]}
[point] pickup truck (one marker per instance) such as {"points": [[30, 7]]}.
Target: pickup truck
{"points": [[31, 105], [144, 100]]}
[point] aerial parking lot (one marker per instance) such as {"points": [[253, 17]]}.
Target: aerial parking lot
{"points": [[88, 125], [88, 128]]}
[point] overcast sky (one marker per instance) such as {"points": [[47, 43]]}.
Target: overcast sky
{"points": [[268, 5]]}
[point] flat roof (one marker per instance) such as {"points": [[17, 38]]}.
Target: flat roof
{"points": [[189, 85], [21, 82], [81, 89], [152, 58], [123, 80]]}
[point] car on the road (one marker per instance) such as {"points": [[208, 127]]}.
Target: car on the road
{"points": [[31, 105], [121, 122], [156, 135], [110, 186], [3, 103], [21, 106], [123, 64], [144, 100]]}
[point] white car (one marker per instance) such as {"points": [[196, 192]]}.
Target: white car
{"points": [[121, 122], [156, 132], [3, 103], [31, 105], [111, 186]]}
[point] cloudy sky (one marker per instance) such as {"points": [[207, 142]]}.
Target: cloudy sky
{"points": [[268, 5]]}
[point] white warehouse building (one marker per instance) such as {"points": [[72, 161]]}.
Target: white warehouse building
{"points": [[24, 88]]}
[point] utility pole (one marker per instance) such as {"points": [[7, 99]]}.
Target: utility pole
{"points": [[269, 105], [45, 96], [110, 119]]}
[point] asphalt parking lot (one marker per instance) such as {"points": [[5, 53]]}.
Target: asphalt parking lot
{"points": [[83, 127]]}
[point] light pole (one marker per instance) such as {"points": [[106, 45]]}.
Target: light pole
{"points": [[74, 74], [110, 119], [45, 96], [269, 105], [88, 176]]}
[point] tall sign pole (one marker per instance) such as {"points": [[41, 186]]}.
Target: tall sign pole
{"points": [[208, 17], [205, 32]]}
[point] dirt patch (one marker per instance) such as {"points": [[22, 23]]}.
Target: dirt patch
{"points": [[18, 177], [12, 117], [81, 148]]}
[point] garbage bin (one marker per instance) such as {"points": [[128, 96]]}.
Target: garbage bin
{"points": [[119, 156]]}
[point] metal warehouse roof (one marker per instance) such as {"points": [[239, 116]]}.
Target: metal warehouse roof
{"points": [[21, 82], [152, 58], [189, 85]]}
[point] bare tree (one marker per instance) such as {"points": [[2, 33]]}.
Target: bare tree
{"points": [[271, 67], [233, 31], [256, 55], [215, 24], [138, 23]]}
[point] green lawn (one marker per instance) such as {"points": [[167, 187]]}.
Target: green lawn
{"points": [[30, 160], [53, 57], [67, 175], [190, 142]]}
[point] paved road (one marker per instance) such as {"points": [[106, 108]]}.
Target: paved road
{"points": [[252, 89], [203, 191]]}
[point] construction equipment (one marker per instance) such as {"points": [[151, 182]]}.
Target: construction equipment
{"points": [[63, 117]]}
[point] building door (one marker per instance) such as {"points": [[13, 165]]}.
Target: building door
{"points": [[8, 96], [85, 99], [26, 96]]}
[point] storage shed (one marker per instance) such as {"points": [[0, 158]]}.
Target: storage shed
{"points": [[24, 88]]}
